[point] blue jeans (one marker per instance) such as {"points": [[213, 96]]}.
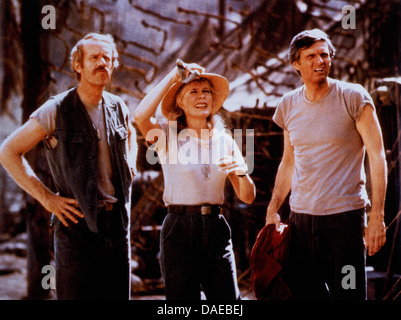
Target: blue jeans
{"points": [[328, 256], [92, 266], [197, 253]]}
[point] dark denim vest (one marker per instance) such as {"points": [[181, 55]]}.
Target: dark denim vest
{"points": [[73, 162]]}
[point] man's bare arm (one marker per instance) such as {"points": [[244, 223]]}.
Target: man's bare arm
{"points": [[283, 182], [369, 128], [12, 152]]}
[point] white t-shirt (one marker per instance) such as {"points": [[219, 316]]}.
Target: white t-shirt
{"points": [[329, 175], [190, 165]]}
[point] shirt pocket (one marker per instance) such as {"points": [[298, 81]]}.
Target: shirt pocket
{"points": [[74, 143], [70, 137], [121, 132], [75, 138]]}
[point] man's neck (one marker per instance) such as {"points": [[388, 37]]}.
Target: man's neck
{"points": [[316, 91], [90, 94]]}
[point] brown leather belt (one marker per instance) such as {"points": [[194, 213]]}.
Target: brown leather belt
{"points": [[203, 209]]}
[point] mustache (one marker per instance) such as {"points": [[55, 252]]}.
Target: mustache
{"points": [[101, 68]]}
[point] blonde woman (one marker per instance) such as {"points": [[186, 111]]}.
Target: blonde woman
{"points": [[197, 156]]}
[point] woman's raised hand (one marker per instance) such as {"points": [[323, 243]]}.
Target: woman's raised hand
{"points": [[188, 71]]}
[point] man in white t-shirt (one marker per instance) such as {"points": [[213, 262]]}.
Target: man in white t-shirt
{"points": [[328, 125]]}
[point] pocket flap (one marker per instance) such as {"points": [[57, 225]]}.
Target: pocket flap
{"points": [[122, 132]]}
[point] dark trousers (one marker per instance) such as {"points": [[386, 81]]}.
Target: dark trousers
{"points": [[328, 256], [197, 253], [94, 266]]}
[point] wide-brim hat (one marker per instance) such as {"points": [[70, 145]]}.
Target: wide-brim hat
{"points": [[221, 89]]}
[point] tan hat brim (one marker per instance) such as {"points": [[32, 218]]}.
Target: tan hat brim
{"points": [[221, 89]]}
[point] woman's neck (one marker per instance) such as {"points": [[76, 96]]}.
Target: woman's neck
{"points": [[197, 125]]}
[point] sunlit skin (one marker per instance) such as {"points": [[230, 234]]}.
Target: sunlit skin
{"points": [[314, 65], [96, 69], [196, 100]]}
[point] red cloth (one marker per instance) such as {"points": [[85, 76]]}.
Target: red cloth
{"points": [[269, 260]]}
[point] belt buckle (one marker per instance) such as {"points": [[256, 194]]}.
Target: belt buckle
{"points": [[108, 206], [205, 210]]}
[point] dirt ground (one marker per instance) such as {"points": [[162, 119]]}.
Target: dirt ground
{"points": [[12, 277], [13, 285]]}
